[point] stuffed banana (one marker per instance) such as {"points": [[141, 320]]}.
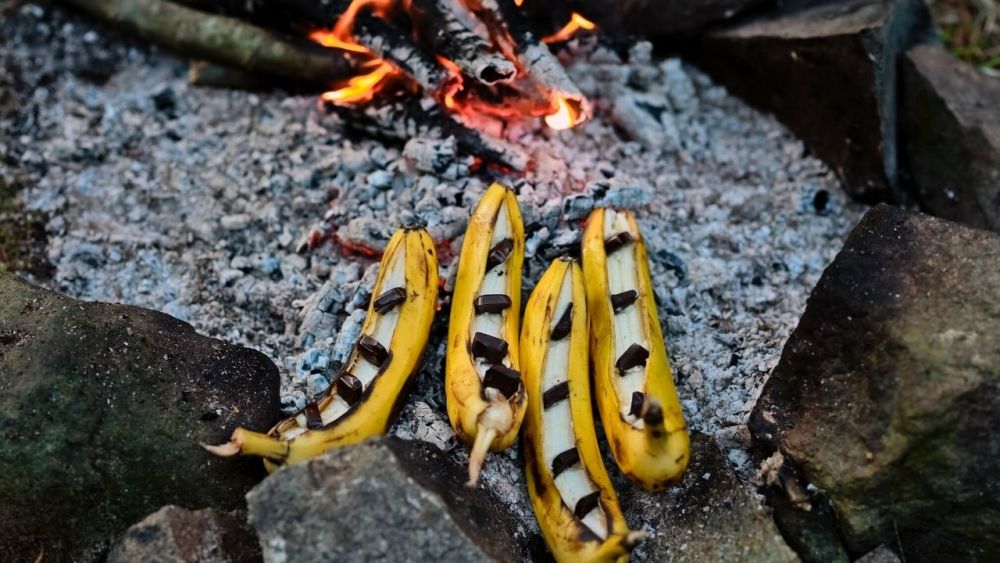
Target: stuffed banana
{"points": [[633, 383], [575, 504], [483, 385], [366, 395]]}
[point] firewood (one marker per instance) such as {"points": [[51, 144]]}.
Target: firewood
{"points": [[440, 27], [395, 46], [220, 39]]}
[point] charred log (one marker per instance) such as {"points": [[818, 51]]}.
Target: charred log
{"points": [[441, 28], [395, 46]]}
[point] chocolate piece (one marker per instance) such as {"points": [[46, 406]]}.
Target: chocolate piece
{"points": [[554, 394], [616, 241], [636, 408], [490, 348], [586, 534], [499, 253], [653, 414], [503, 379], [372, 350], [313, 419], [389, 299], [621, 300], [586, 504], [349, 388], [564, 461], [565, 324], [492, 303], [634, 356]]}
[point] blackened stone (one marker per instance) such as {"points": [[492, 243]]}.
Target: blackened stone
{"points": [[177, 535], [711, 513], [101, 412], [382, 500], [887, 394], [828, 71], [950, 134]]}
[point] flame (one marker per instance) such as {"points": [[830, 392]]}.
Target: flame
{"points": [[564, 117], [518, 2], [576, 23], [361, 88], [328, 38]]}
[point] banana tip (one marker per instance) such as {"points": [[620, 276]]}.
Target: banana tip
{"points": [[634, 538], [229, 449]]}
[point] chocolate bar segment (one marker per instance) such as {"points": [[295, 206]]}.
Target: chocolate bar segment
{"points": [[389, 299], [499, 253], [586, 504], [616, 241], [490, 348], [313, 419], [503, 379], [564, 325], [492, 303], [653, 415], [372, 350], [636, 407], [635, 355], [554, 394], [349, 388], [621, 300], [564, 461]]}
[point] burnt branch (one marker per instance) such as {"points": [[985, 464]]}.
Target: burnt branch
{"points": [[391, 44], [440, 27]]}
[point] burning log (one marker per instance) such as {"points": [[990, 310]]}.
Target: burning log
{"points": [[220, 39], [387, 42], [404, 116], [441, 28]]}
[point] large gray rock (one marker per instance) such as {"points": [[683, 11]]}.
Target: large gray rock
{"points": [[177, 535], [101, 411], [950, 132], [887, 395], [828, 71], [382, 500], [710, 516]]}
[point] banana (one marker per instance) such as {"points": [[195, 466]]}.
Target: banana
{"points": [[576, 506], [633, 382], [482, 383], [367, 393]]}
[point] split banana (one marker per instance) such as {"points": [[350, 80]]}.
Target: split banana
{"points": [[485, 396], [367, 394], [576, 506], [633, 382]]}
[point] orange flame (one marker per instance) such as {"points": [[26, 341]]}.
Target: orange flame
{"points": [[360, 88], [564, 117], [576, 23]]}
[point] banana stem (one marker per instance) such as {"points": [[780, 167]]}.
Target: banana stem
{"points": [[248, 442], [484, 437]]}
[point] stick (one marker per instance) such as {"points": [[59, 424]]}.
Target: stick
{"points": [[381, 38], [223, 40], [442, 30]]}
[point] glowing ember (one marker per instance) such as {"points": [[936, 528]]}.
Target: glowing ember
{"points": [[330, 39], [564, 117], [360, 88], [576, 23]]}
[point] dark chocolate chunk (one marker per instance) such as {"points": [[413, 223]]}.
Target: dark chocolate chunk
{"points": [[503, 379], [349, 388], [616, 241], [499, 253], [653, 414], [313, 418], [564, 325], [586, 534], [490, 348], [564, 461], [621, 300], [586, 504], [634, 356], [636, 408], [554, 394], [372, 350], [389, 299], [492, 303]]}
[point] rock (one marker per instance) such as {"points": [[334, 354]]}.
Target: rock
{"points": [[888, 392], [177, 535], [880, 554], [950, 135], [653, 18], [710, 516], [828, 71], [101, 411], [384, 499]]}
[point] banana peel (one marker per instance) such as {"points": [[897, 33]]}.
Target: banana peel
{"points": [[485, 397], [365, 397], [633, 382]]}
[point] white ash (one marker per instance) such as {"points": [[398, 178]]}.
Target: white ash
{"points": [[197, 202]]}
